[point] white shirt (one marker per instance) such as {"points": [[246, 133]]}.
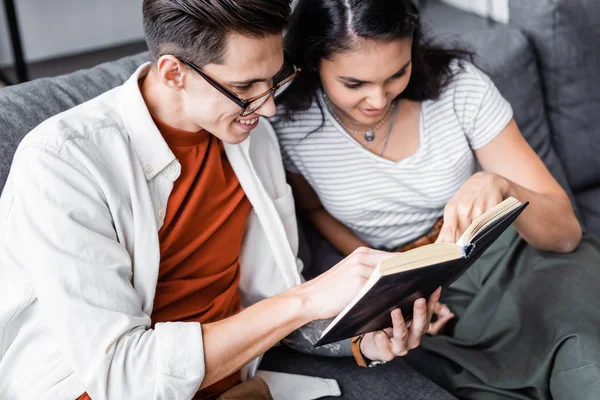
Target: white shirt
{"points": [[388, 203], [79, 254]]}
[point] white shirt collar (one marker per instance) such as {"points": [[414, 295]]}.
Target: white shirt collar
{"points": [[147, 141]]}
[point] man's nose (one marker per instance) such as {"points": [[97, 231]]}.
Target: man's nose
{"points": [[268, 109]]}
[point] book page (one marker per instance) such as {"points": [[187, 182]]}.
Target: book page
{"points": [[485, 219], [421, 257]]}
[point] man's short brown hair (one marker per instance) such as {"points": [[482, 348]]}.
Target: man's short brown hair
{"points": [[197, 29]]}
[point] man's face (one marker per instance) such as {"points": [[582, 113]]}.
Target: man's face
{"points": [[248, 70]]}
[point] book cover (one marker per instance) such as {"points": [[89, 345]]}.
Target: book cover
{"points": [[400, 290]]}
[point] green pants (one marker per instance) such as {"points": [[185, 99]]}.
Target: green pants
{"points": [[528, 325]]}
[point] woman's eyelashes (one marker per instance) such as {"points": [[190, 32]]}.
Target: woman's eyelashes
{"points": [[356, 85], [353, 85], [399, 74]]}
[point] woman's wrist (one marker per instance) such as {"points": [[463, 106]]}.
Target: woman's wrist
{"points": [[506, 186], [359, 354]]}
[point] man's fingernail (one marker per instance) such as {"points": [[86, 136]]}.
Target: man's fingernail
{"points": [[445, 311], [397, 314]]}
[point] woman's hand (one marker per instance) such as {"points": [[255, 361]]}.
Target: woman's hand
{"points": [[478, 194], [444, 315], [389, 343]]}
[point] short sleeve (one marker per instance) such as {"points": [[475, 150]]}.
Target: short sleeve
{"points": [[484, 111]]}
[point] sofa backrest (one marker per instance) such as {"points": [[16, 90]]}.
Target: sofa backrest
{"points": [[505, 54], [24, 106], [565, 35]]}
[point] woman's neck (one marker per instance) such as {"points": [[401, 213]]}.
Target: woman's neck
{"points": [[349, 122]]}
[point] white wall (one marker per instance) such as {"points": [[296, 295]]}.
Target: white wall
{"points": [[53, 28], [496, 9]]}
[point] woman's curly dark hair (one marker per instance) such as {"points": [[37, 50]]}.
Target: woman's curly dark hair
{"points": [[321, 28]]}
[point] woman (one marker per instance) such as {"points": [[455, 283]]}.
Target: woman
{"points": [[383, 134]]}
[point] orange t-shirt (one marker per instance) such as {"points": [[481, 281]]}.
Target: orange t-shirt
{"points": [[201, 238]]}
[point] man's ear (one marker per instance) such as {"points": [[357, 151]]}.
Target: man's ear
{"points": [[171, 72]]}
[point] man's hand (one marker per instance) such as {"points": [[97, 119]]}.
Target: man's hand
{"points": [[478, 194], [389, 343], [329, 293]]}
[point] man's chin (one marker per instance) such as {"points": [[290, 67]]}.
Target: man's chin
{"points": [[234, 136]]}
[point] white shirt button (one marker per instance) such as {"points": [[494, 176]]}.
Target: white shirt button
{"points": [[172, 168], [149, 169], [161, 213]]}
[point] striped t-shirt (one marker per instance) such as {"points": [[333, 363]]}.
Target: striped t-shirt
{"points": [[387, 203]]}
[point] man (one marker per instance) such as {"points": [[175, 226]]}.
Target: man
{"points": [[148, 238]]}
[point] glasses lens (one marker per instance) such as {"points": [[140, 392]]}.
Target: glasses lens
{"points": [[256, 104], [286, 71], [285, 76], [282, 88]]}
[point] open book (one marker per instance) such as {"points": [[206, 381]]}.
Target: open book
{"points": [[400, 280]]}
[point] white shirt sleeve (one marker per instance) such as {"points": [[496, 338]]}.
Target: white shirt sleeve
{"points": [[62, 234], [482, 109]]}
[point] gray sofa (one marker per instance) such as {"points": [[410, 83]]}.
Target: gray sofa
{"points": [[547, 64]]}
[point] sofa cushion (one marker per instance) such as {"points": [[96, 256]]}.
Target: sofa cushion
{"points": [[26, 105], [588, 202], [565, 36], [504, 53]]}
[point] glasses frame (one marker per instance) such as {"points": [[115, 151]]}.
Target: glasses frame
{"points": [[242, 103]]}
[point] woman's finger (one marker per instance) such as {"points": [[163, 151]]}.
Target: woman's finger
{"points": [[432, 303], [384, 346], [449, 227], [444, 315], [447, 233], [419, 325], [492, 201], [438, 326], [478, 209], [463, 218], [399, 334]]}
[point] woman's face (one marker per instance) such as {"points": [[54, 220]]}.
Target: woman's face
{"points": [[363, 82]]}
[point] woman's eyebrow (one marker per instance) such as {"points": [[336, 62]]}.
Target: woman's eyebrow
{"points": [[354, 80]]}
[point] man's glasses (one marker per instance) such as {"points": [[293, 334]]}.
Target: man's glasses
{"points": [[282, 81]]}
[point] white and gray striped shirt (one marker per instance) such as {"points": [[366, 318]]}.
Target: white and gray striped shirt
{"points": [[387, 203]]}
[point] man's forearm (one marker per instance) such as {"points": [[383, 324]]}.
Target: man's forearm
{"points": [[233, 342], [302, 340]]}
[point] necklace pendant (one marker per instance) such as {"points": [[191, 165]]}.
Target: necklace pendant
{"points": [[369, 135]]}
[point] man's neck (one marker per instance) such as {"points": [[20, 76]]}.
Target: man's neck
{"points": [[164, 103]]}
